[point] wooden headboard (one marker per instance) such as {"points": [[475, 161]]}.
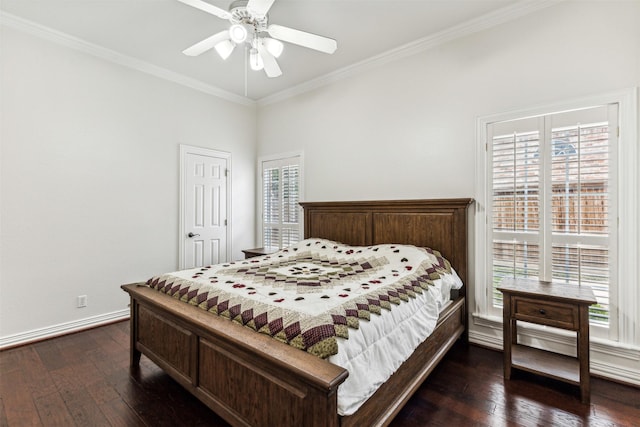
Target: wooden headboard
{"points": [[439, 224]]}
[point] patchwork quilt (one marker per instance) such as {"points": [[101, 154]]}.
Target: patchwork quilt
{"points": [[310, 293]]}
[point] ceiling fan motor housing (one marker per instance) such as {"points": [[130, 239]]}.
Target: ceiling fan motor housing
{"points": [[241, 15]]}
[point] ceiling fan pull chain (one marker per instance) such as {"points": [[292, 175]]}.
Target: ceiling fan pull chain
{"points": [[246, 56]]}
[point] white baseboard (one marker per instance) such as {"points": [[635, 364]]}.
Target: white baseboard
{"points": [[62, 329], [485, 340]]}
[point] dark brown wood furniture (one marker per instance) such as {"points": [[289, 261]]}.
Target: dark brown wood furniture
{"points": [[558, 305], [251, 379], [250, 253]]}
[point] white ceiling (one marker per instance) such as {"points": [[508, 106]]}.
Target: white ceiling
{"points": [[157, 31]]}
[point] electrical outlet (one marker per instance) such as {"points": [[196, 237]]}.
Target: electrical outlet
{"points": [[82, 301]]}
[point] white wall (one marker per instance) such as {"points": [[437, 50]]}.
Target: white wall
{"points": [[89, 180], [408, 128]]}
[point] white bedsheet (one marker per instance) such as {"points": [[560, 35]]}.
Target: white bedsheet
{"points": [[378, 348]]}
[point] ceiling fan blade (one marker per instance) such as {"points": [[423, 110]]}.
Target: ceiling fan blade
{"points": [[271, 66], [207, 7], [206, 44], [302, 38], [259, 7]]}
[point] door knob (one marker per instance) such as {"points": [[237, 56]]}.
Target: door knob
{"points": [[192, 235]]}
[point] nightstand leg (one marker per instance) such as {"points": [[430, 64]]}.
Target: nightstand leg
{"points": [[507, 336], [583, 355]]}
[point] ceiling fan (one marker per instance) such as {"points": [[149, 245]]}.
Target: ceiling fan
{"points": [[250, 27]]}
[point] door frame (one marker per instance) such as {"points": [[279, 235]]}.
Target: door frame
{"points": [[189, 149]]}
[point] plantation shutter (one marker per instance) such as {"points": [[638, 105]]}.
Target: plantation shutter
{"points": [[553, 206], [582, 184], [280, 197], [516, 201]]}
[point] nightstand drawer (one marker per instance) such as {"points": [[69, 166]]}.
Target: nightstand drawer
{"points": [[546, 313]]}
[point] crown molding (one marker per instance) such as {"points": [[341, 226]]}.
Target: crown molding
{"points": [[75, 43], [472, 26]]}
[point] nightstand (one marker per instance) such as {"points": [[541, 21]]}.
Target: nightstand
{"points": [[557, 305], [250, 253]]}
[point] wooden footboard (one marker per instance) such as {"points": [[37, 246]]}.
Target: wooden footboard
{"points": [[247, 378]]}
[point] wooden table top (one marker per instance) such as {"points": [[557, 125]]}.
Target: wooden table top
{"points": [[549, 290]]}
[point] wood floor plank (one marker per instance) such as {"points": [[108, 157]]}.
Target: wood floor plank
{"points": [[111, 342], [147, 405], [109, 364], [119, 414], [83, 409], [35, 373], [3, 415], [102, 392], [119, 333], [74, 347], [19, 407], [111, 404], [53, 411], [9, 359], [76, 377], [50, 354]]}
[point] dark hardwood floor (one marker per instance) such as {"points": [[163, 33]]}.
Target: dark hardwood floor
{"points": [[83, 380]]}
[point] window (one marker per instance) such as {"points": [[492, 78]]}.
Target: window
{"points": [[552, 203], [281, 191], [557, 198]]}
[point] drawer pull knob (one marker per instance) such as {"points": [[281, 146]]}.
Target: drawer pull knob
{"points": [[542, 311]]}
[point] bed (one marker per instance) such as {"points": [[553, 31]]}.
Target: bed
{"points": [[266, 382]]}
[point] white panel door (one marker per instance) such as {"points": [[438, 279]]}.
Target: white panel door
{"points": [[204, 228]]}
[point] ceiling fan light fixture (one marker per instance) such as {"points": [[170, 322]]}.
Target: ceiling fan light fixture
{"points": [[255, 60], [273, 46], [225, 48], [238, 33]]}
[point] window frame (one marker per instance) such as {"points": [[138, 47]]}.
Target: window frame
{"points": [[625, 298], [299, 159]]}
